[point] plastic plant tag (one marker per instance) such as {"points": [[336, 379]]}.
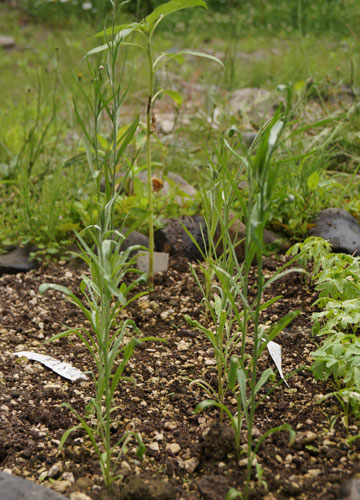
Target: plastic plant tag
{"points": [[161, 262], [275, 352], [60, 367]]}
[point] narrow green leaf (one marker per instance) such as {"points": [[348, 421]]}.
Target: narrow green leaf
{"points": [[115, 29], [67, 434], [204, 55], [170, 7], [279, 326], [44, 287], [263, 379], [269, 432], [207, 403], [234, 363], [121, 35]]}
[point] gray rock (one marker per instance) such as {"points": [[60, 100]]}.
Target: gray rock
{"points": [[242, 99], [134, 238], [181, 184], [6, 42], [350, 490], [252, 103], [248, 138], [17, 261], [173, 239], [17, 488], [339, 228], [176, 183]]}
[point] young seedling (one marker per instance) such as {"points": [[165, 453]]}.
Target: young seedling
{"points": [[231, 308], [146, 30]]}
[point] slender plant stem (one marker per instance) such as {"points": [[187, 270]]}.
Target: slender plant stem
{"points": [[148, 162]]}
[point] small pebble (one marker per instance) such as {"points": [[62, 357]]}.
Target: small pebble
{"points": [[78, 495], [173, 447], [61, 486]]}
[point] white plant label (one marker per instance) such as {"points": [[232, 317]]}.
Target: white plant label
{"points": [[275, 352], [60, 367]]}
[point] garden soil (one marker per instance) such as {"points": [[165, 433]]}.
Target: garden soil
{"points": [[188, 456]]}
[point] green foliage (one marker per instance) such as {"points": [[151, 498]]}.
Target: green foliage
{"points": [[337, 278], [312, 250], [266, 15], [339, 357]]}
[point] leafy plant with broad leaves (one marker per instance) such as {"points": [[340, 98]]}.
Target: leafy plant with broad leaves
{"points": [[337, 279], [146, 28]]}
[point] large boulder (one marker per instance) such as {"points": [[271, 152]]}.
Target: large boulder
{"points": [[173, 238], [16, 488], [17, 260], [339, 228]]}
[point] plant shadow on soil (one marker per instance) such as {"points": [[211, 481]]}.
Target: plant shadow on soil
{"points": [[189, 456]]}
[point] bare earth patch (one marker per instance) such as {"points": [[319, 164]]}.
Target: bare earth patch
{"points": [[188, 456]]}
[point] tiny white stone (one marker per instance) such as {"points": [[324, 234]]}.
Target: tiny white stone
{"points": [[191, 464], [125, 467], [61, 486], [78, 495], [54, 470], [154, 446], [69, 476], [170, 426], [182, 346], [173, 447]]}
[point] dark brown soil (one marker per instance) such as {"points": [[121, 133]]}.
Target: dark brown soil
{"points": [[161, 405]]}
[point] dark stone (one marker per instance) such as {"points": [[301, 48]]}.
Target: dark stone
{"points": [[134, 238], [213, 487], [17, 261], [350, 490], [340, 229], [17, 488], [173, 239]]}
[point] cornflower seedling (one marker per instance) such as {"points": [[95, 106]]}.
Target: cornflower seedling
{"points": [[146, 29], [230, 306], [105, 296], [106, 292]]}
